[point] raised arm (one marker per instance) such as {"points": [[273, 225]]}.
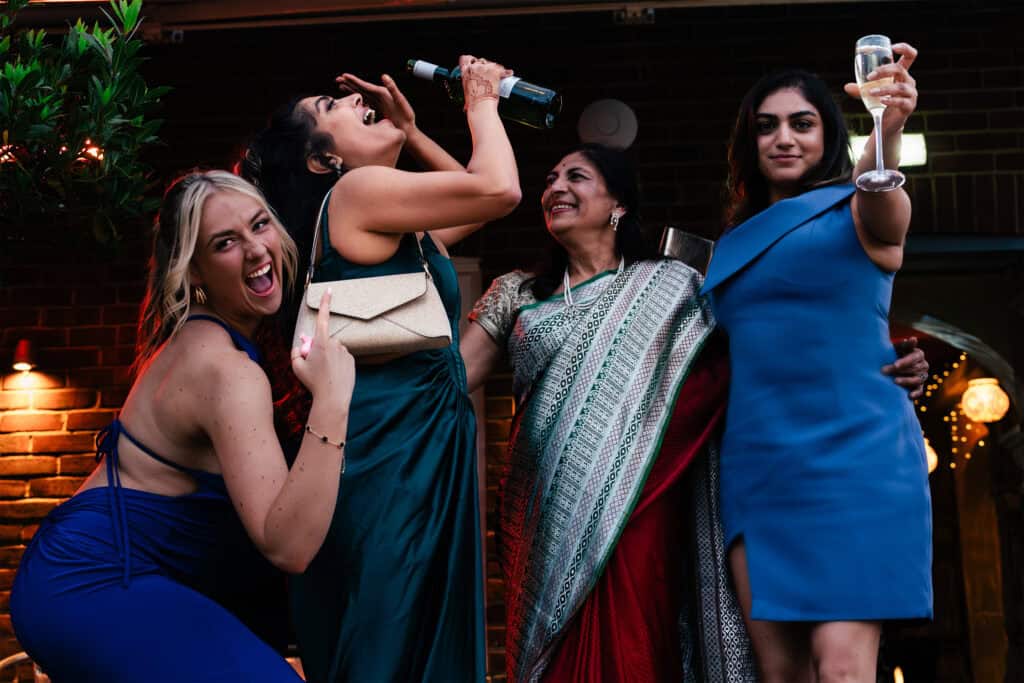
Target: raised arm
{"points": [[390, 102], [287, 513], [385, 202], [883, 218]]}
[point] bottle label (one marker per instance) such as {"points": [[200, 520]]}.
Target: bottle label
{"points": [[506, 85], [422, 69]]}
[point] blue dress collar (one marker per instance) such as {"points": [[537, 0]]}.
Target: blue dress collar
{"points": [[748, 240]]}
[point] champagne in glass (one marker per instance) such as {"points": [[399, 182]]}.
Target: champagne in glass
{"points": [[872, 52]]}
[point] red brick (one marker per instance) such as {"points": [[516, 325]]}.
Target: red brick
{"points": [[499, 407], [120, 314], [78, 442], [95, 296], [28, 531], [131, 294], [64, 399], [12, 488], [14, 400], [28, 508], [120, 356], [31, 422], [15, 444], [41, 337], [6, 579], [90, 419], [498, 430], [126, 334], [113, 397], [93, 377], [70, 317], [43, 296], [68, 358], [19, 317], [72, 465], [54, 487], [10, 533], [33, 380], [6, 630], [92, 336], [5, 601], [26, 465], [11, 555]]}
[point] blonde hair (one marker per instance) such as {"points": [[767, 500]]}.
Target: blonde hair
{"points": [[176, 230]]}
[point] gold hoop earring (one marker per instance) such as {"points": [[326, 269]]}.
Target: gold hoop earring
{"points": [[199, 295]]}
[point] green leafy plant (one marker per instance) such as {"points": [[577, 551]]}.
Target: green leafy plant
{"points": [[74, 117]]}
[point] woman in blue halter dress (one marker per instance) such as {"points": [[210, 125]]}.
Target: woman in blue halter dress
{"points": [[120, 583], [396, 593], [824, 483]]}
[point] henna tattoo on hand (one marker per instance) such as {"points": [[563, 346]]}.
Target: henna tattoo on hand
{"points": [[477, 90]]}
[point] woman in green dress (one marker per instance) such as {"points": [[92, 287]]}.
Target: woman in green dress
{"points": [[396, 592]]}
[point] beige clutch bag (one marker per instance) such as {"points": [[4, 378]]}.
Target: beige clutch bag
{"points": [[374, 316]]}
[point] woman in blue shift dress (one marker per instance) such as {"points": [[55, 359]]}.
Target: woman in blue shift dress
{"points": [[825, 497], [119, 583], [396, 594]]}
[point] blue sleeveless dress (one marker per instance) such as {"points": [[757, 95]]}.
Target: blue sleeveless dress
{"points": [[823, 470], [396, 592], [117, 584]]}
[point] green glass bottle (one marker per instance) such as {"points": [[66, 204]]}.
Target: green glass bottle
{"points": [[520, 101]]}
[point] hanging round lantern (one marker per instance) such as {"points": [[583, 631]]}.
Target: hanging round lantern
{"points": [[933, 457], [985, 400]]}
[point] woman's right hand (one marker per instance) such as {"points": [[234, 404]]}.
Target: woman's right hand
{"points": [[480, 79], [327, 369]]}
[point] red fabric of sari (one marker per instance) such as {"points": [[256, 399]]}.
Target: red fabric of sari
{"points": [[627, 630]]}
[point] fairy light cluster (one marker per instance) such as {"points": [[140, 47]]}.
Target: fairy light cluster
{"points": [[963, 433]]}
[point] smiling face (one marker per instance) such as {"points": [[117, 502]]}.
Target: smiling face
{"points": [[576, 201], [237, 259], [790, 140], [357, 137]]}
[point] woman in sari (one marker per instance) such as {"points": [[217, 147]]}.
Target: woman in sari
{"points": [[613, 557]]}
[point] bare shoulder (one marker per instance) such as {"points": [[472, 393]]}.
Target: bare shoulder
{"points": [[215, 367]]}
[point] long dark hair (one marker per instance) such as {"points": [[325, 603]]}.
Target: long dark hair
{"points": [[747, 188], [276, 162], [620, 179]]}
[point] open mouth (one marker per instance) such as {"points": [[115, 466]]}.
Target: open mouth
{"points": [[261, 280]]}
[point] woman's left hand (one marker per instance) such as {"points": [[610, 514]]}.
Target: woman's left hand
{"points": [[910, 370], [387, 99], [900, 97]]}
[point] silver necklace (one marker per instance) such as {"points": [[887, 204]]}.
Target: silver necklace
{"points": [[567, 290]]}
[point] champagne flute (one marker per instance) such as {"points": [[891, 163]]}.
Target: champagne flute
{"points": [[872, 52]]}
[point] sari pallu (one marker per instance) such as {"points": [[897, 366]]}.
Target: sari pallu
{"points": [[595, 385]]}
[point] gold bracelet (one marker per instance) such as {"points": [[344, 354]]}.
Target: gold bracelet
{"points": [[323, 438]]}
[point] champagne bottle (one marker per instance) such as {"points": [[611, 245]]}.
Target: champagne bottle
{"points": [[519, 101]]}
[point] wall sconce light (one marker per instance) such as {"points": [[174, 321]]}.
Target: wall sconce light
{"points": [[24, 358], [985, 400], [913, 151]]}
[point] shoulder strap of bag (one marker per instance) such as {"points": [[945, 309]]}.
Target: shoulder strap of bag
{"points": [[316, 242]]}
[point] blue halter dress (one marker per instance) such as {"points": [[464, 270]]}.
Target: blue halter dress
{"points": [[823, 471], [117, 585]]}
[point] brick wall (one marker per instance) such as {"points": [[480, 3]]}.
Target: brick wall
{"points": [[684, 77], [79, 310]]}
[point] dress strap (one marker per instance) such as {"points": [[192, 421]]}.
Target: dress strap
{"points": [[240, 340], [106, 448]]}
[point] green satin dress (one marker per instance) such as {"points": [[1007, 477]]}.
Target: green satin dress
{"points": [[396, 591]]}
